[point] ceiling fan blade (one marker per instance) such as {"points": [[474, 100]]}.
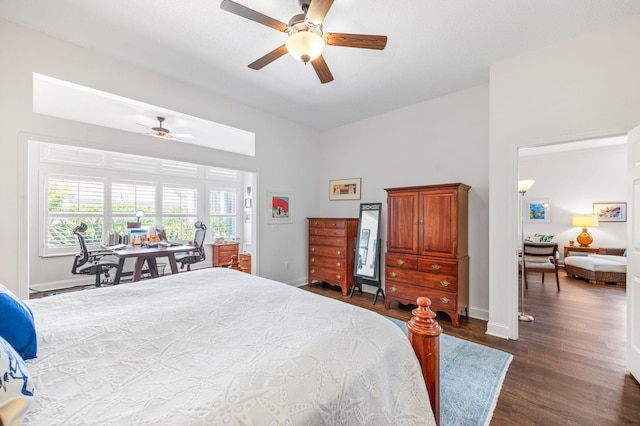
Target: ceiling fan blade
{"points": [[322, 70], [245, 12], [363, 41], [268, 58], [318, 10]]}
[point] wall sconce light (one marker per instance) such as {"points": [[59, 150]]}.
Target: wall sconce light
{"points": [[584, 221]]}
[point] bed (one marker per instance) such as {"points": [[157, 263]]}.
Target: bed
{"points": [[217, 346]]}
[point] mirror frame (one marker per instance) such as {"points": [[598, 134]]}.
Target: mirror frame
{"points": [[373, 243]]}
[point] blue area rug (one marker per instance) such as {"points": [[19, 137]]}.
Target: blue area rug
{"points": [[471, 377]]}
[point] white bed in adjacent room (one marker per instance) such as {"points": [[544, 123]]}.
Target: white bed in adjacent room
{"points": [[217, 346]]}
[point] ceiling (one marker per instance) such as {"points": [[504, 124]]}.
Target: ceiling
{"points": [[434, 47]]}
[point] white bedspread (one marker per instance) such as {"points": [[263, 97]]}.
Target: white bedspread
{"points": [[217, 346]]}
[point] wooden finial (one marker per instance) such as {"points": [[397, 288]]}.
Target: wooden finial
{"points": [[423, 321], [424, 335]]}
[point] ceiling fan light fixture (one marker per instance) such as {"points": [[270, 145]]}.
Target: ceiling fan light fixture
{"points": [[305, 45]]}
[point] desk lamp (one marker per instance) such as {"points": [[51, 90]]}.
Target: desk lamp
{"points": [[139, 215]]}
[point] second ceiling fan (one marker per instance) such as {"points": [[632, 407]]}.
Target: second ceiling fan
{"points": [[306, 40]]}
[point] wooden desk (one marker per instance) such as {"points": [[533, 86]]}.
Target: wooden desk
{"points": [[590, 249], [149, 255]]}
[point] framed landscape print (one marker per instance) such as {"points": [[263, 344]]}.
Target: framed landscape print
{"points": [[345, 189], [279, 207], [537, 211], [610, 212]]}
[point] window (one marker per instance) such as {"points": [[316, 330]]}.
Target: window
{"points": [[222, 213], [71, 200], [100, 189], [129, 198], [179, 212]]}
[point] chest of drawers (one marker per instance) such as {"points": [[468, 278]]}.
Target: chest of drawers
{"points": [[332, 251], [221, 253]]}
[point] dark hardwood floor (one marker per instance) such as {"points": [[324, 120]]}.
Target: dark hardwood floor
{"points": [[568, 365]]}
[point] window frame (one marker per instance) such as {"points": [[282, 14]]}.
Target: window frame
{"points": [[201, 178]]}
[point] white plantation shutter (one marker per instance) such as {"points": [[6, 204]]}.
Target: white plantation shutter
{"points": [[71, 200], [223, 212], [127, 199], [105, 190]]}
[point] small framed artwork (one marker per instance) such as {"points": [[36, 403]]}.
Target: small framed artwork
{"points": [[279, 206], [610, 212], [247, 203], [537, 211], [345, 189]]}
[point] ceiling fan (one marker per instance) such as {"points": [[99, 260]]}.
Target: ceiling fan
{"points": [[162, 132], [306, 39]]}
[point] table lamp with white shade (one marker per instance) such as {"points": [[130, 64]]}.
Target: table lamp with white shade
{"points": [[584, 221]]}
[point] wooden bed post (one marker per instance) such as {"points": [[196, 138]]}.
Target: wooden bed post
{"points": [[424, 335]]}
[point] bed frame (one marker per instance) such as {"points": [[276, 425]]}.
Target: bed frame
{"points": [[424, 335]]}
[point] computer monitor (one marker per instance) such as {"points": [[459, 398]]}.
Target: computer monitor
{"points": [[162, 234]]}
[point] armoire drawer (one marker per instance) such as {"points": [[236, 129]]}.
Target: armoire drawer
{"points": [[422, 279], [406, 293], [438, 266], [405, 261]]}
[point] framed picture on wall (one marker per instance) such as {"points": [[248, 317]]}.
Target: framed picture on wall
{"points": [[345, 189], [279, 207], [537, 211], [610, 212]]}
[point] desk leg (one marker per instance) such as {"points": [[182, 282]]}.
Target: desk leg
{"points": [[137, 272], [173, 263], [153, 267], [116, 280]]}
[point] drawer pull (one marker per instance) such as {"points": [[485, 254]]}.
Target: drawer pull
{"points": [[444, 300], [435, 266], [394, 289], [313, 271], [400, 262], [338, 264], [313, 249], [338, 277], [445, 283], [339, 252], [393, 274], [313, 259]]}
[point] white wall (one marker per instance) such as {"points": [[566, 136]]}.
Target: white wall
{"points": [[582, 88], [283, 161], [438, 141], [572, 181]]}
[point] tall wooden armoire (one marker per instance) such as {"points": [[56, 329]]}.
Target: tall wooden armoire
{"points": [[427, 247]]}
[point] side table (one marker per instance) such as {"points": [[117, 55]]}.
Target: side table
{"points": [[590, 249]]}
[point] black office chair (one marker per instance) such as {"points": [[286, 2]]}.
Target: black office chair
{"points": [[197, 255], [91, 262]]}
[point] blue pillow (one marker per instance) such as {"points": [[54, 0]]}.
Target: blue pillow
{"points": [[625, 253], [16, 387], [16, 324]]}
